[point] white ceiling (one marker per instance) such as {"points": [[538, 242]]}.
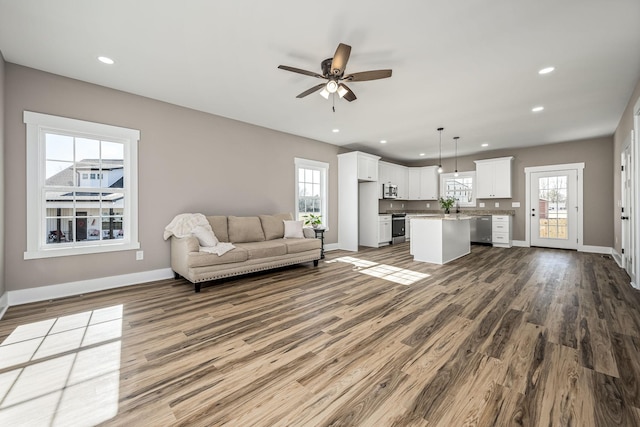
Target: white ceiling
{"points": [[470, 66]]}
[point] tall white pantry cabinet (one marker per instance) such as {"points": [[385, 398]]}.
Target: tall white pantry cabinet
{"points": [[357, 199]]}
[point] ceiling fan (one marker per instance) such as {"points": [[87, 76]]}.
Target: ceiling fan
{"points": [[333, 71]]}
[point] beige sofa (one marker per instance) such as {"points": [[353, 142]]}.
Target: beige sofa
{"points": [[259, 245]]}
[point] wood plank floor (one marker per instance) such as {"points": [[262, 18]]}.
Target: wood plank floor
{"points": [[501, 337]]}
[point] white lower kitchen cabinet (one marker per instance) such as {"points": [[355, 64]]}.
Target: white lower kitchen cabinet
{"points": [[501, 231], [384, 230]]}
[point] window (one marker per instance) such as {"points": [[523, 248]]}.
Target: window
{"points": [[67, 214], [311, 189], [460, 188]]}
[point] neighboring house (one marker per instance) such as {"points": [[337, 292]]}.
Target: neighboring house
{"points": [[102, 210]]}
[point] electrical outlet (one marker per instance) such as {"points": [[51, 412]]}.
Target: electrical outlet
{"points": [[428, 205], [139, 255], [402, 205], [497, 204], [482, 204], [390, 204]]}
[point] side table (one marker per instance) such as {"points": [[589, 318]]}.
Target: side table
{"points": [[320, 235]]}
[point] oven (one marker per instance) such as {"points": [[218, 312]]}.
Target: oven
{"points": [[397, 227]]}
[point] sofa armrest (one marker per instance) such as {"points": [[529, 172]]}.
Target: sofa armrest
{"points": [[180, 248]]}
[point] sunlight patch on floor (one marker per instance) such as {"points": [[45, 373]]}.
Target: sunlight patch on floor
{"points": [[383, 271], [62, 371]]}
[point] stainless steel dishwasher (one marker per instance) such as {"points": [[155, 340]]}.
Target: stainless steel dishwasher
{"points": [[481, 229]]}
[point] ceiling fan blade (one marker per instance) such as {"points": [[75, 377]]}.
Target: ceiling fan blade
{"points": [[340, 58], [368, 75], [349, 96], [310, 91], [300, 71]]}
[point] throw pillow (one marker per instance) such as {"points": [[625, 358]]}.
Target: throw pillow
{"points": [[205, 236], [293, 230]]}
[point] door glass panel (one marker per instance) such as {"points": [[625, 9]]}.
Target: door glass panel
{"points": [[552, 204]]}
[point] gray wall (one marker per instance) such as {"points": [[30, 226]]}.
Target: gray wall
{"points": [[189, 161], [597, 155], [2, 169], [623, 132]]}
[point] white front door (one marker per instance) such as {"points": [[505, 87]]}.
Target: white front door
{"points": [[554, 208]]}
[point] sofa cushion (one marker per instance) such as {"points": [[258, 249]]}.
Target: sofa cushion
{"points": [[293, 230], [244, 229], [264, 249], [295, 246], [219, 227], [204, 259], [273, 225]]}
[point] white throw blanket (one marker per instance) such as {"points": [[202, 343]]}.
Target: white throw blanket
{"points": [[184, 224]]}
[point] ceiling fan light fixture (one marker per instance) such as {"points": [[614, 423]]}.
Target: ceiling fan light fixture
{"points": [[325, 93], [332, 86], [342, 91]]}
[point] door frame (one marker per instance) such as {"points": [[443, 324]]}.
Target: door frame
{"points": [[579, 168], [635, 182]]}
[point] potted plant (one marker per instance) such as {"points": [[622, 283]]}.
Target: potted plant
{"points": [[313, 220], [446, 204]]}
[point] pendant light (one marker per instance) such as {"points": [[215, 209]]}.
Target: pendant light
{"points": [[440, 152], [456, 138]]}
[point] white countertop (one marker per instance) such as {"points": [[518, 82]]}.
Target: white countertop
{"points": [[441, 218]]}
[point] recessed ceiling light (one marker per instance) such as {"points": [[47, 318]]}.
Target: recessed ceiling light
{"points": [[546, 70], [335, 130], [422, 154], [383, 141], [485, 145], [106, 60], [537, 109]]}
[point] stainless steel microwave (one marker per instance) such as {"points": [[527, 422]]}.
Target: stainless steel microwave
{"points": [[389, 191]]}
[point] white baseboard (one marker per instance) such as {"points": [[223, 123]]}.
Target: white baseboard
{"points": [[520, 243], [595, 249], [43, 293], [331, 247], [4, 304], [616, 257]]}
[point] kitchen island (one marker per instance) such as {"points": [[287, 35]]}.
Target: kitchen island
{"points": [[439, 240]]}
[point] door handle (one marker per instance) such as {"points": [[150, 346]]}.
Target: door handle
{"points": [[533, 214], [624, 217]]}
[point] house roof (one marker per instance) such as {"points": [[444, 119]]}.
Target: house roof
{"points": [[66, 176]]}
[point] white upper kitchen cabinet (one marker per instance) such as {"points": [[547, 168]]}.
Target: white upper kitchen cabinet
{"points": [[384, 176], [493, 178], [429, 178], [390, 173], [367, 166], [401, 175], [414, 183], [423, 183]]}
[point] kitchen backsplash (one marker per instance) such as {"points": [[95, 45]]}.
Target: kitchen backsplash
{"points": [[388, 206]]}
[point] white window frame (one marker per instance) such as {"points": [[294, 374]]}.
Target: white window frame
{"points": [[472, 174], [37, 126], [324, 186]]}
